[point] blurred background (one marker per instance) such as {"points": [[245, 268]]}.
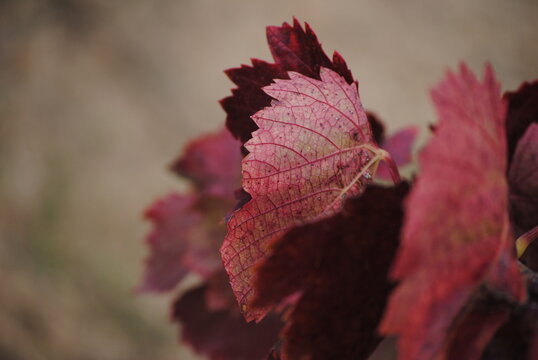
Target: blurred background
{"points": [[97, 97]]}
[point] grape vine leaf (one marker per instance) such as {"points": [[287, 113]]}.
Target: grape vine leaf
{"points": [[188, 228], [222, 334], [248, 97], [456, 235], [293, 49], [313, 148], [212, 163], [173, 220], [339, 268], [517, 338], [187, 232], [474, 328], [218, 293]]}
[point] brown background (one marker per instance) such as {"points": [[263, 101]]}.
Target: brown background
{"points": [[97, 97]]}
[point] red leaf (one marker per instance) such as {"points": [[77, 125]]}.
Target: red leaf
{"points": [[187, 232], [456, 234], [522, 111], [212, 162], [378, 129], [523, 179], [515, 339], [398, 145], [293, 49], [339, 266], [185, 237], [188, 229], [300, 51], [223, 334], [248, 97], [522, 114], [218, 294], [475, 328], [314, 147], [533, 350], [172, 220]]}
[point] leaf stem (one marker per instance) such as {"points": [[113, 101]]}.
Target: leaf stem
{"points": [[379, 154], [523, 242], [393, 168]]}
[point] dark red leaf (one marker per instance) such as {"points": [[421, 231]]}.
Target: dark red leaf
{"points": [[514, 341], [314, 148], [338, 268], [293, 49], [378, 129], [248, 97], [222, 334], [522, 111], [523, 178], [218, 294], [456, 235], [533, 350], [275, 352], [473, 330]]}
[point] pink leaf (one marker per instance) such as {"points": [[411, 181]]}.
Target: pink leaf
{"points": [[456, 235], [313, 148]]}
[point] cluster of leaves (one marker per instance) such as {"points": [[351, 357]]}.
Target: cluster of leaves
{"points": [[187, 232], [321, 253]]}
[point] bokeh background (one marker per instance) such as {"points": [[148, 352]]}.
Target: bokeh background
{"points": [[97, 97]]}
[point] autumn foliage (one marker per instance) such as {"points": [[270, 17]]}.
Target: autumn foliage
{"points": [[324, 249]]}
